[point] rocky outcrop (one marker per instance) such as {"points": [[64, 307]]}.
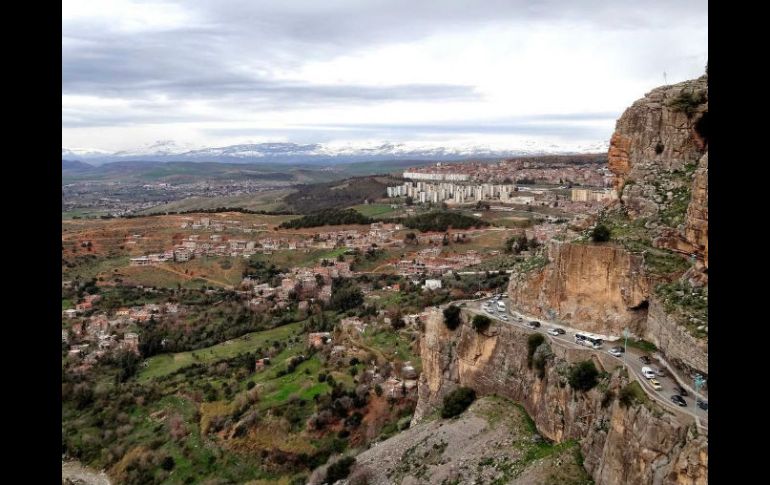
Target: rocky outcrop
{"points": [[696, 225], [656, 136], [659, 157], [598, 288], [681, 348], [641, 444]]}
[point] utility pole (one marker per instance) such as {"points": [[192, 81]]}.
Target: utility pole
{"points": [[665, 81]]}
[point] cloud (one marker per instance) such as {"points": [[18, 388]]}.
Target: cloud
{"points": [[378, 66]]}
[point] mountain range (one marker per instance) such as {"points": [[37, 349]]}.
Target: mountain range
{"points": [[168, 151]]}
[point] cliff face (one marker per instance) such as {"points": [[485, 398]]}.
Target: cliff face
{"points": [[659, 157], [595, 288], [640, 444], [657, 135]]}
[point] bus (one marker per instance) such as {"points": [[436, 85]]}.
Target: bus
{"points": [[589, 340]]}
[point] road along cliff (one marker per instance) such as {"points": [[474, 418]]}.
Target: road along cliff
{"points": [[628, 440]]}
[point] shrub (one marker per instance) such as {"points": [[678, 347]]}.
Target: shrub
{"points": [[687, 102], [533, 342], [481, 322], [600, 233], [659, 148], [582, 376], [607, 398], [452, 317], [339, 469], [457, 401]]}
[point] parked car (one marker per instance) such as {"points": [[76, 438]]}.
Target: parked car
{"points": [[704, 405], [533, 324], [655, 384], [678, 400], [661, 372], [504, 318], [614, 351], [680, 390], [645, 359], [556, 331], [648, 373]]}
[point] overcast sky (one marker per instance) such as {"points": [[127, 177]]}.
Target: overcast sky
{"points": [[487, 72]]}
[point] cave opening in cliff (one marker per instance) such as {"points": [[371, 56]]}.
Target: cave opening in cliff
{"points": [[641, 306]]}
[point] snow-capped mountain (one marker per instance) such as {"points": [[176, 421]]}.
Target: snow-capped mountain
{"points": [[281, 152]]}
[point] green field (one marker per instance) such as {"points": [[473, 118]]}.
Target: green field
{"points": [[164, 364], [374, 210]]}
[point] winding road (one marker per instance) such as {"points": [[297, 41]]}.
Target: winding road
{"points": [[631, 358]]}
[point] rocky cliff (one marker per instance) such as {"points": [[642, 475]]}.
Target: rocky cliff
{"points": [[659, 227], [596, 288], [639, 444]]}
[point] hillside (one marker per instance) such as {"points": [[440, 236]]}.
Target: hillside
{"points": [[493, 441]]}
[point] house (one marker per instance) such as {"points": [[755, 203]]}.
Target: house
{"points": [[131, 342], [432, 284], [319, 339]]}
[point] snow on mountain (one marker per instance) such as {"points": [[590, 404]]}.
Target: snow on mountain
{"points": [[282, 152]]}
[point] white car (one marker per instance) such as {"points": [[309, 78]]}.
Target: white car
{"points": [[615, 352], [648, 373], [504, 318], [556, 331]]}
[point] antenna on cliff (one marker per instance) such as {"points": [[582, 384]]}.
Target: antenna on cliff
{"points": [[665, 81]]}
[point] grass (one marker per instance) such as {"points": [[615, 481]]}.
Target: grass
{"points": [[165, 364], [66, 304], [374, 210]]}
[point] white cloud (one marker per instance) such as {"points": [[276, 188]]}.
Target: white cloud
{"points": [[211, 73]]}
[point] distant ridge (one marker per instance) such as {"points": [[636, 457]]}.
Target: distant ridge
{"points": [[167, 151]]}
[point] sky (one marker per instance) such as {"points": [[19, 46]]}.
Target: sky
{"points": [[344, 72]]}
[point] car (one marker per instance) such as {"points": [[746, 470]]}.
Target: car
{"points": [[614, 351], [462, 304], [557, 331], [680, 390], [645, 359], [533, 324], [504, 318], [678, 400], [661, 372], [704, 405], [648, 373], [655, 384]]}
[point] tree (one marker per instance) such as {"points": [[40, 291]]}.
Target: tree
{"points": [[582, 376], [600, 233], [339, 469], [410, 238], [457, 401], [481, 322], [452, 317], [409, 200]]}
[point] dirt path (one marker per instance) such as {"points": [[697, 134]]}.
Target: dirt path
{"points": [[78, 474]]}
